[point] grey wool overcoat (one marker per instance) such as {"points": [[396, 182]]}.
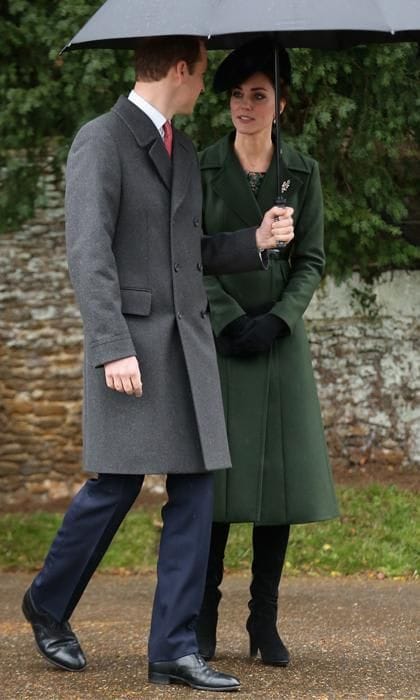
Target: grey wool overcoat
{"points": [[136, 255]]}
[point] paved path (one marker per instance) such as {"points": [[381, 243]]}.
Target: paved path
{"points": [[349, 639]]}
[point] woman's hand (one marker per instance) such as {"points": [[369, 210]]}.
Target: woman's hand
{"points": [[276, 227], [247, 335]]}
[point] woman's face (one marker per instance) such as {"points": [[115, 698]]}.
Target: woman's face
{"points": [[252, 105]]}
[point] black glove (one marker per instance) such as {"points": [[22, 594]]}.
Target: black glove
{"points": [[231, 334], [261, 337], [247, 336]]}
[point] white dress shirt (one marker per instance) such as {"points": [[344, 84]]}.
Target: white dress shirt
{"points": [[157, 117]]}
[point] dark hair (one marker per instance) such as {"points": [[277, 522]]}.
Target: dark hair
{"points": [[154, 56], [255, 56]]}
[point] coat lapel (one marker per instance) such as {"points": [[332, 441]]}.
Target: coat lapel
{"points": [[181, 170], [231, 185], [161, 161], [146, 136], [290, 176]]}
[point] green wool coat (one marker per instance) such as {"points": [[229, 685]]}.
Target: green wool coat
{"points": [[281, 473]]}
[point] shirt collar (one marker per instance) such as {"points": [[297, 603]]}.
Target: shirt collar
{"points": [[156, 117]]}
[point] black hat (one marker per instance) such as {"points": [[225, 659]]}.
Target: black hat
{"points": [[255, 56]]}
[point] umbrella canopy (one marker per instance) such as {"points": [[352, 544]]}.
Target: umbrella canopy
{"points": [[228, 23]]}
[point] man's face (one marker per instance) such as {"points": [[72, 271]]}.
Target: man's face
{"points": [[193, 84]]}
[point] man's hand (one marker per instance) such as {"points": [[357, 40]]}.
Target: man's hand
{"points": [[276, 227], [124, 375]]}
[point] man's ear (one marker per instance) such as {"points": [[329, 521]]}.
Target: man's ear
{"points": [[181, 69]]}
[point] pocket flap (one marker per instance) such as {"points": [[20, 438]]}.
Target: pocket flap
{"points": [[136, 301]]}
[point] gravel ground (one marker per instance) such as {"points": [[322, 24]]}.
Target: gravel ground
{"points": [[351, 638]]}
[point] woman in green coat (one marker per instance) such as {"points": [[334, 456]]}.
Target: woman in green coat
{"points": [[281, 473]]}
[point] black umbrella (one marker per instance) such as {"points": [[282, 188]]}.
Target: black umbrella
{"points": [[228, 23], [331, 24]]}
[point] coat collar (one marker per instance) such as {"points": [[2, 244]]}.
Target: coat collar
{"points": [[146, 135], [230, 182], [176, 172]]}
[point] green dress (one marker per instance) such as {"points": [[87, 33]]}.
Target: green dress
{"points": [[281, 472]]}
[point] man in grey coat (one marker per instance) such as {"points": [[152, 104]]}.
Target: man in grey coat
{"points": [[152, 401]]}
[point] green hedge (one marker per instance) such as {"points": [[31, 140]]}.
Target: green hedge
{"points": [[357, 112]]}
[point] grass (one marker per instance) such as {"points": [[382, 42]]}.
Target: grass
{"points": [[377, 534]]}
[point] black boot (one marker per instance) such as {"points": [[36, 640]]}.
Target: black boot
{"points": [[206, 623], [270, 544]]}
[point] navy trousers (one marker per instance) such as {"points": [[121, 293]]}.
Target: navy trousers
{"points": [[89, 525]]}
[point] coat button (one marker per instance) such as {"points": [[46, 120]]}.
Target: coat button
{"points": [[203, 314], [196, 221], [176, 267], [179, 315], [200, 267]]}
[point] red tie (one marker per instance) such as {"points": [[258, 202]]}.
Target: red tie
{"points": [[168, 137]]}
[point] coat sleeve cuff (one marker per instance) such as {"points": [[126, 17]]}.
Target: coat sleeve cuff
{"points": [[281, 313], [110, 350]]}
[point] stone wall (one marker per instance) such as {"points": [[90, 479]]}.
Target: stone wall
{"points": [[40, 360], [365, 344]]}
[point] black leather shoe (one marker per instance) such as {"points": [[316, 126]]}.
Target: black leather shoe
{"points": [[55, 640], [191, 670]]}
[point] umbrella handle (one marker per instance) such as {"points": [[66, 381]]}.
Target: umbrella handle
{"points": [[280, 202]]}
